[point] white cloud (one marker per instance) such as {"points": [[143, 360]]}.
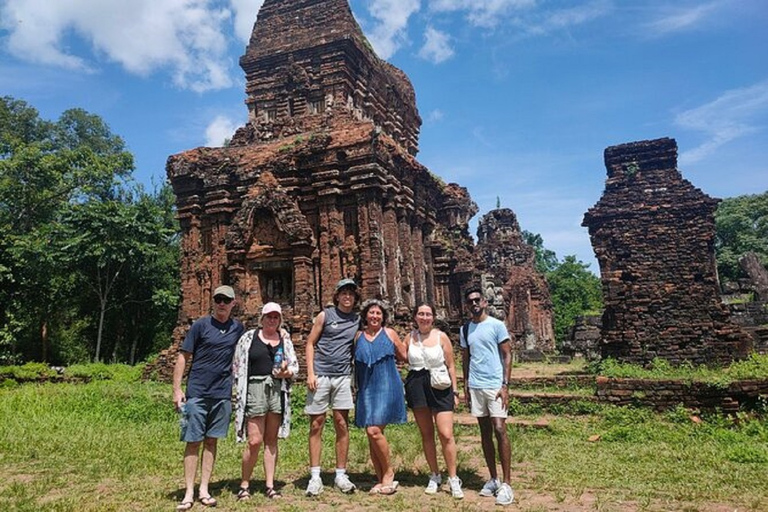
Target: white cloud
{"points": [[143, 36], [483, 13], [245, 16], [435, 116], [220, 129], [437, 47], [676, 19], [389, 34], [734, 114]]}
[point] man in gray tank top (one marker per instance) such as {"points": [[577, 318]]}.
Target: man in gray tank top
{"points": [[329, 381]]}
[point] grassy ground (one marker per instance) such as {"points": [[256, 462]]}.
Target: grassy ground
{"points": [[113, 446]]}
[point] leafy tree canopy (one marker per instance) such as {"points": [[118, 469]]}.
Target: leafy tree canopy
{"points": [[741, 225]]}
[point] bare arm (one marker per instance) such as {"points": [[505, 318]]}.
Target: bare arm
{"points": [[314, 336], [450, 362], [178, 375], [401, 351], [465, 372], [506, 362]]}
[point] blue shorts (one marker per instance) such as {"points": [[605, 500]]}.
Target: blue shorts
{"points": [[205, 417]]}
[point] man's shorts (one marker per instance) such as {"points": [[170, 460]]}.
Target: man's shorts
{"points": [[263, 396], [484, 403], [205, 417], [331, 393]]}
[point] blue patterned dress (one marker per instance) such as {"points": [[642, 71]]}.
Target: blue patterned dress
{"points": [[380, 397]]}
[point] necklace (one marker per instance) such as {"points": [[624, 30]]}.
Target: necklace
{"points": [[372, 336]]}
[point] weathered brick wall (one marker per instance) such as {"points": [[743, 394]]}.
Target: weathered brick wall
{"points": [[668, 394], [653, 236]]}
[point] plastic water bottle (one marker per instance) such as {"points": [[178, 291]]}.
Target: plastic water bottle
{"points": [[277, 363]]}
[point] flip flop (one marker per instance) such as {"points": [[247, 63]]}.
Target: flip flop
{"points": [[388, 490], [208, 501], [376, 489], [184, 505]]}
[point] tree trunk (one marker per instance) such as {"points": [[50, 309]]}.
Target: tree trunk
{"points": [[102, 312]]}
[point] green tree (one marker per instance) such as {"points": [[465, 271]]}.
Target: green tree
{"points": [[546, 260], [69, 212], [741, 225], [120, 250], [575, 291]]}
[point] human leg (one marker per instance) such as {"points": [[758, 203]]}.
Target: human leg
{"points": [[505, 449], [444, 422], [486, 440], [425, 422], [316, 424], [270, 448], [255, 429], [206, 467], [191, 456], [341, 424], [380, 453]]}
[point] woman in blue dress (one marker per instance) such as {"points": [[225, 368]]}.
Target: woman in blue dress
{"points": [[380, 397]]}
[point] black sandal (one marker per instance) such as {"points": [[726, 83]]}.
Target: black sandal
{"points": [[243, 494], [271, 493]]}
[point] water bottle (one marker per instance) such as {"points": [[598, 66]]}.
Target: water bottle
{"points": [[277, 362]]}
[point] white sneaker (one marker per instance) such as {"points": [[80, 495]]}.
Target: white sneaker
{"points": [[455, 483], [434, 484], [314, 487], [490, 488], [505, 495], [344, 485]]}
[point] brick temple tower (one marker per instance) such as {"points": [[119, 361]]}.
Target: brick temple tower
{"points": [[321, 183], [653, 235]]}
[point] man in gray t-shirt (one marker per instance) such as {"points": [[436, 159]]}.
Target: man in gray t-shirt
{"points": [[329, 381]]}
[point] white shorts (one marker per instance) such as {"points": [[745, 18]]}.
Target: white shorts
{"points": [[331, 393], [483, 403]]}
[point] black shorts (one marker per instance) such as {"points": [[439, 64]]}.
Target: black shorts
{"points": [[419, 393]]}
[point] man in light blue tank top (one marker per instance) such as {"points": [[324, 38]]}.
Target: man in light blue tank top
{"points": [[329, 382], [486, 361]]}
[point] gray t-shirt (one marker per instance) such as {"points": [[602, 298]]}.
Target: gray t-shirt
{"points": [[333, 351]]}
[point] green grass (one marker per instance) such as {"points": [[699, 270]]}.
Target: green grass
{"points": [[754, 367], [111, 445]]}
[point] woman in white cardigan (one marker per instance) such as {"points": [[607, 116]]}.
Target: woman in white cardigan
{"points": [[265, 364]]}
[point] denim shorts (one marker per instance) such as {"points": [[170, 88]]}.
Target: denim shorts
{"points": [[205, 417]]}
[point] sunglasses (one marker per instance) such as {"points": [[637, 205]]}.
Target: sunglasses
{"points": [[476, 300], [220, 298]]}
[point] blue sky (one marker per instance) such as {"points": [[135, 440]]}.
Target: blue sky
{"points": [[519, 97]]}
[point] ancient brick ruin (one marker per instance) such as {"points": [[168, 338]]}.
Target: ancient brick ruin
{"points": [[321, 183], [653, 235], [516, 292]]}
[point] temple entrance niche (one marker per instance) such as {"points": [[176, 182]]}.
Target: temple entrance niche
{"points": [[268, 264]]}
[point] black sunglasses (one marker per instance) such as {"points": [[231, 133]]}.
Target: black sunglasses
{"points": [[475, 300], [220, 298]]}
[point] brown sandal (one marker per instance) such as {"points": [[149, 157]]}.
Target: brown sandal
{"points": [[243, 494]]}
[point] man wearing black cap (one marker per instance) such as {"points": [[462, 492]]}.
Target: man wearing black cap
{"points": [[329, 381], [206, 407]]}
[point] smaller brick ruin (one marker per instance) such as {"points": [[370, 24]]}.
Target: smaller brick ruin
{"points": [[517, 293], [653, 235]]}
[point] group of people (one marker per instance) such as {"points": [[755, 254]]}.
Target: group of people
{"points": [[345, 351]]}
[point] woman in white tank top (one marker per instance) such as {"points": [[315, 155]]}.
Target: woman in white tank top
{"points": [[428, 348]]}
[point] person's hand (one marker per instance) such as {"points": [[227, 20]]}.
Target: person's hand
{"points": [[312, 382], [504, 395], [467, 399], [178, 399]]}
